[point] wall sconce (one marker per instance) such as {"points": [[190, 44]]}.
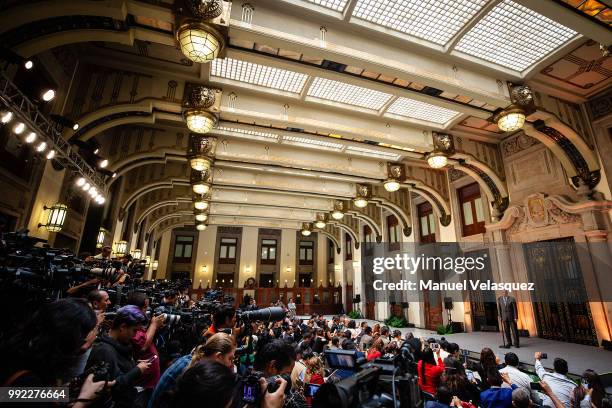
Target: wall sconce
{"points": [[306, 229], [364, 192], [321, 220], [338, 212], [288, 269], [395, 174], [56, 217], [120, 248], [443, 148], [155, 264], [148, 260], [204, 269], [247, 269], [101, 235], [137, 253]]}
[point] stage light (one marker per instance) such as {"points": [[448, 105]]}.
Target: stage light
{"points": [[30, 138], [51, 154], [48, 95], [75, 126], [42, 146], [19, 128], [81, 182], [29, 64], [6, 117], [86, 186], [103, 163], [56, 217], [100, 200]]}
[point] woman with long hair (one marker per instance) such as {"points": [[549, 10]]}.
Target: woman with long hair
{"points": [[376, 350], [456, 380], [428, 371], [49, 344], [487, 361], [590, 393]]}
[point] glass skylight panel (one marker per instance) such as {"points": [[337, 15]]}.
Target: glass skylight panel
{"points": [[337, 5], [433, 20], [514, 36], [411, 108], [250, 134], [312, 143], [349, 94], [362, 151], [256, 74]]}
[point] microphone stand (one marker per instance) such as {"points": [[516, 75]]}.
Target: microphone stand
{"points": [[502, 333]]}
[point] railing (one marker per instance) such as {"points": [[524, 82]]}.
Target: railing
{"points": [[322, 300], [26, 111]]}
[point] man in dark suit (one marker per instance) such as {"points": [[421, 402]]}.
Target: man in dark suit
{"points": [[506, 306]]}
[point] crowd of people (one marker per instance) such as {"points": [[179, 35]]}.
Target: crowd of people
{"points": [[115, 359]]}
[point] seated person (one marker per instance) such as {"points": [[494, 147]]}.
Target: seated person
{"points": [[496, 396]]}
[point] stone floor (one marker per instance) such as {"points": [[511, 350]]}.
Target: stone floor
{"points": [[579, 357]]}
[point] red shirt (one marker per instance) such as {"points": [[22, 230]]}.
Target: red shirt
{"points": [[151, 378], [373, 355], [432, 376]]}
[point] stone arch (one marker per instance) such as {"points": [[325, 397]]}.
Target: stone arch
{"points": [[369, 221], [439, 206], [349, 231], [331, 237], [134, 161], [140, 112], [167, 217], [146, 212], [154, 185], [398, 212], [576, 157], [487, 179]]}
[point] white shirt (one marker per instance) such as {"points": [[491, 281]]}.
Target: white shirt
{"points": [[560, 385], [517, 377]]}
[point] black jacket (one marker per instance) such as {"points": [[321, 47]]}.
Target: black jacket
{"points": [[121, 367]]}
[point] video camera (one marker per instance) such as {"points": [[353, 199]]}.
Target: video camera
{"points": [[367, 384], [251, 390]]}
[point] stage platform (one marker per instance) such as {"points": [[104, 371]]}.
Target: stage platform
{"points": [[579, 357]]}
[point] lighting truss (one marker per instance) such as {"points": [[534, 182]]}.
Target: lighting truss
{"points": [[414, 109], [312, 143], [348, 94], [433, 20], [377, 154], [337, 5], [514, 36], [14, 100], [250, 134], [256, 74]]}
